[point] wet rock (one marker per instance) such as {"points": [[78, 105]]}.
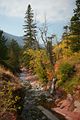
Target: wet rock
{"points": [[49, 99], [43, 118], [33, 113]]}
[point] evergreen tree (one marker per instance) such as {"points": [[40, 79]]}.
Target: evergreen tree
{"points": [[30, 29], [75, 20], [75, 29], [13, 54], [3, 47], [65, 33]]}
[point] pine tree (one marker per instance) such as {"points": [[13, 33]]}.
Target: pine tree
{"points": [[75, 29], [13, 54], [75, 20], [3, 47], [30, 29]]}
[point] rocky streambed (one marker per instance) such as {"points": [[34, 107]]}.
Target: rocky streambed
{"points": [[32, 109]]}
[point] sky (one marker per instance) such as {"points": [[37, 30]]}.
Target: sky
{"points": [[57, 12]]}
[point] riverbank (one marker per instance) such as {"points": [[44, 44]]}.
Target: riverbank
{"points": [[11, 94]]}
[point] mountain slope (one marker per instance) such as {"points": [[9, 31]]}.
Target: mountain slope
{"points": [[19, 39]]}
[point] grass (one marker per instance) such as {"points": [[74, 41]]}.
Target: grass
{"points": [[6, 71]]}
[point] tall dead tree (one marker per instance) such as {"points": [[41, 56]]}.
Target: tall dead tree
{"points": [[48, 42]]}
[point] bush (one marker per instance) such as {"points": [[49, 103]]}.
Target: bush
{"points": [[40, 64], [7, 103], [66, 70]]}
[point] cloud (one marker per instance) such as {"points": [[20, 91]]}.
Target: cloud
{"points": [[55, 10]]}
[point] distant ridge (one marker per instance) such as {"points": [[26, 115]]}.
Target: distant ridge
{"points": [[19, 39]]}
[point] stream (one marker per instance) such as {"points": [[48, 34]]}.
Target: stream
{"points": [[32, 109]]}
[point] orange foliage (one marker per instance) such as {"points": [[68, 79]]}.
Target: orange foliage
{"points": [[49, 74]]}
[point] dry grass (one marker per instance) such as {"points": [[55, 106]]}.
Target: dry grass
{"points": [[6, 71], [7, 75]]}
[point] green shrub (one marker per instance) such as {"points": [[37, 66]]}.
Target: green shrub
{"points": [[66, 71], [7, 102]]}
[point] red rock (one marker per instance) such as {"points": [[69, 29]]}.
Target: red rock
{"points": [[8, 116], [68, 115]]}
